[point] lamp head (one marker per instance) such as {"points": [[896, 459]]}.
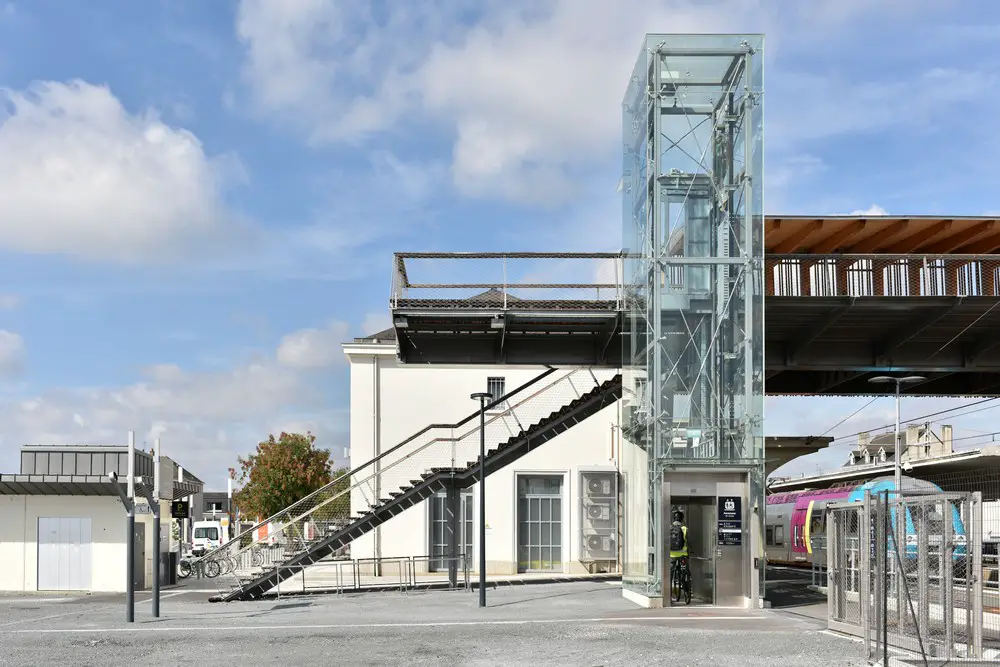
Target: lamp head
{"points": [[886, 379]]}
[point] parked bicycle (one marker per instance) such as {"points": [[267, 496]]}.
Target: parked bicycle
{"points": [[680, 580]]}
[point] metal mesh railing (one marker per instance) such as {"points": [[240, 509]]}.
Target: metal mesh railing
{"points": [[598, 280], [904, 570], [306, 522], [882, 275], [503, 281]]}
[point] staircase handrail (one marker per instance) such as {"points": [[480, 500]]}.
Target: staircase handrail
{"points": [[353, 472]]}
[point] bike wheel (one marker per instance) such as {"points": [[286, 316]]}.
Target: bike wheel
{"points": [[184, 570], [687, 588], [675, 585], [212, 569]]}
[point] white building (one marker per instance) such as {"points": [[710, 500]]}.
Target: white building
{"points": [[554, 509], [62, 524]]}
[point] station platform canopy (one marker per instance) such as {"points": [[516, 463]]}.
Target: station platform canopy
{"points": [[854, 235], [970, 465]]}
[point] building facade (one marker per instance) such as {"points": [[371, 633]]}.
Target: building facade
{"points": [[554, 510], [62, 524]]}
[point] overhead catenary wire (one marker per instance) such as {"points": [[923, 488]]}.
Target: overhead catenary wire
{"points": [[922, 417], [848, 417]]}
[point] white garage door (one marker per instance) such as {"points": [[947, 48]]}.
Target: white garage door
{"points": [[64, 546]]}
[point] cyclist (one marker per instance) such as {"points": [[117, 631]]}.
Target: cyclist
{"points": [[679, 555]]}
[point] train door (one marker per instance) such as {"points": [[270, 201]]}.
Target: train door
{"points": [[798, 528]]}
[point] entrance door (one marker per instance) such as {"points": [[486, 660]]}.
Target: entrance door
{"points": [[440, 520], [539, 523], [719, 533], [64, 554], [139, 556]]}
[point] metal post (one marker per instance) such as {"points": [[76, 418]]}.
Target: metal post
{"points": [[129, 547], [156, 528], [482, 397], [130, 568], [130, 537], [884, 544], [156, 544]]}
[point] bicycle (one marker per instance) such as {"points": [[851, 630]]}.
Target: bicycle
{"points": [[680, 580]]}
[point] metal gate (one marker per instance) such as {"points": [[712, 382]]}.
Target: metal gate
{"points": [[926, 596]]}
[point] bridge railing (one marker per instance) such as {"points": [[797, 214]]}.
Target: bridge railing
{"points": [[504, 281], [882, 275]]}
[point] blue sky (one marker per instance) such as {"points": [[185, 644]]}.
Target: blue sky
{"points": [[199, 201]]}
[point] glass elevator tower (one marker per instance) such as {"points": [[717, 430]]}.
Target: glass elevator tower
{"points": [[693, 356]]}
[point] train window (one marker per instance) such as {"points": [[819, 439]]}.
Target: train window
{"points": [[769, 536], [779, 536], [818, 524]]}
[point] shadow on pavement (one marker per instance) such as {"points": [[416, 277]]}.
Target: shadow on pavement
{"points": [[786, 588]]}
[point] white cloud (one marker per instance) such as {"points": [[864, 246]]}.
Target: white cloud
{"points": [[873, 210], [531, 91], [11, 354], [205, 418], [313, 348], [9, 301], [81, 176]]}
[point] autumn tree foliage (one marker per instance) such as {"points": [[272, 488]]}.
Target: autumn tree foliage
{"points": [[281, 472]]}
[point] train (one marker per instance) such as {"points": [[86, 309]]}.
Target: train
{"points": [[792, 520]]}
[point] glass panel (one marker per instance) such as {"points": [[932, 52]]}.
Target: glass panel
{"points": [[546, 507], [556, 509], [692, 175], [557, 557], [556, 533], [546, 534], [534, 512], [534, 533]]}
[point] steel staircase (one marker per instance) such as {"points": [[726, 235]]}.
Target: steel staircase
{"points": [[438, 457]]}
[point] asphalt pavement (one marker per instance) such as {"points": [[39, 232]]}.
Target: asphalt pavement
{"points": [[580, 623]]}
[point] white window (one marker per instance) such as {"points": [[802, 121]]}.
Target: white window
{"points": [[496, 387]]}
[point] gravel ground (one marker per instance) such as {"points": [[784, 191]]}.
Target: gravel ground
{"points": [[585, 624]]}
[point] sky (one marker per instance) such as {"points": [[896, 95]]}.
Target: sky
{"points": [[199, 201]]}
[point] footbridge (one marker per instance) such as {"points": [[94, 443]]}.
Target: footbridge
{"points": [[845, 298]]}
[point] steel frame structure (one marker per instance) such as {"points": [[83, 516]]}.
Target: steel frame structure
{"points": [[693, 246]]}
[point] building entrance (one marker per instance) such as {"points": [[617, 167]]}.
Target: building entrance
{"points": [[719, 531]]}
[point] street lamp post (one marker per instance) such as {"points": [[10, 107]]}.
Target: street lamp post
{"points": [[885, 379], [898, 479], [482, 397]]}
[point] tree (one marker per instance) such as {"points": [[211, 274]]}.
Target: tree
{"points": [[282, 472]]}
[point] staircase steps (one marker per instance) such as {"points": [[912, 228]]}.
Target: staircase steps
{"points": [[513, 448]]}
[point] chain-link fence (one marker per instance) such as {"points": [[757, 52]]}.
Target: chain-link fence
{"points": [[905, 571]]}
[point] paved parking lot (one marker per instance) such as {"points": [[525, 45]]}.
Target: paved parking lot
{"points": [[586, 623]]}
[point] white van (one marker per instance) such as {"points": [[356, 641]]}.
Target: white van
{"points": [[205, 536]]}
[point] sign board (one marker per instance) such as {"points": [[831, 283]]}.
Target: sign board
{"points": [[179, 509], [224, 521], [143, 508], [730, 520]]}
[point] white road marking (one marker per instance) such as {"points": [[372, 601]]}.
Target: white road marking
{"points": [[350, 626]]}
